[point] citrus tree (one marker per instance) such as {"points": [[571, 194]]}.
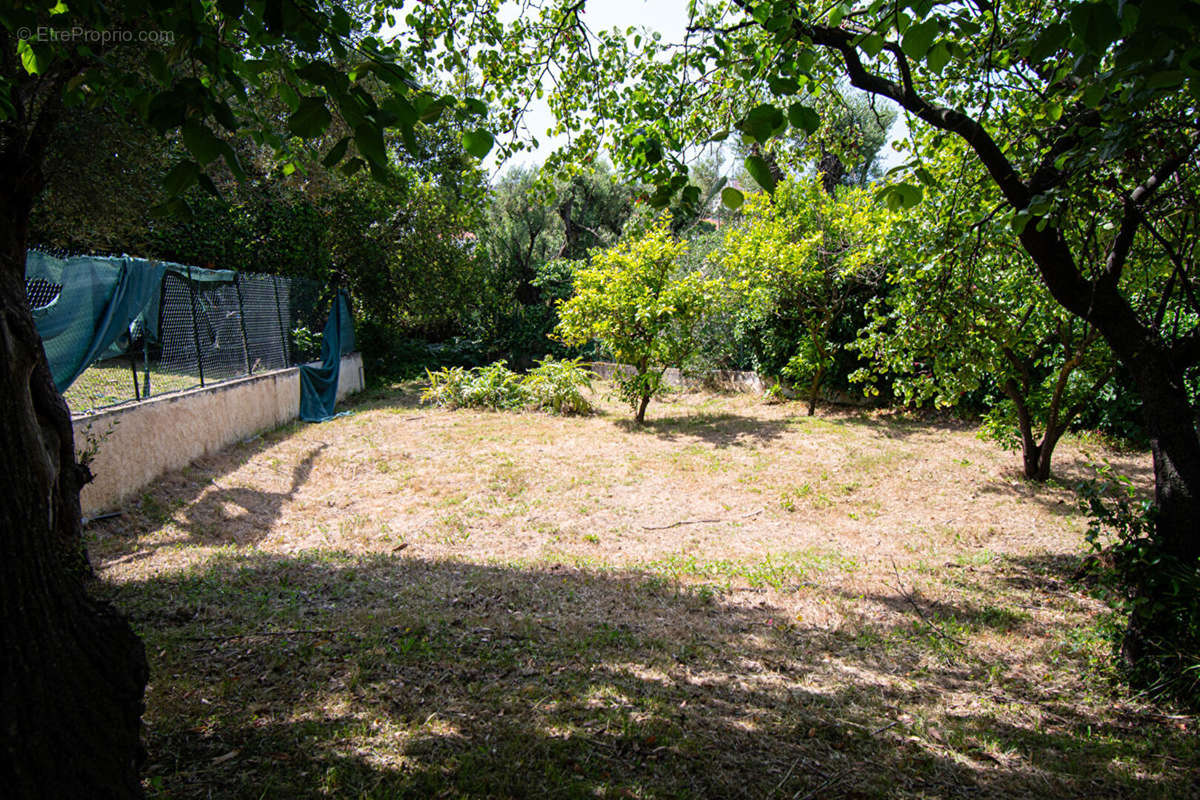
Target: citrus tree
{"points": [[805, 254], [632, 299]]}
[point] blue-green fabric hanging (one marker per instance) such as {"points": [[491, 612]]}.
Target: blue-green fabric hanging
{"points": [[318, 385], [99, 303]]}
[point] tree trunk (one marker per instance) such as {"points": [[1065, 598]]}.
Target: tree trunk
{"points": [[1045, 452], [641, 412], [1175, 443], [1035, 457], [72, 673], [814, 391]]}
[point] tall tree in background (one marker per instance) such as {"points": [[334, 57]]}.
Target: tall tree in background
{"points": [[532, 225], [73, 673]]}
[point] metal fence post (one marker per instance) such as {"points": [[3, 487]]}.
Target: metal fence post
{"points": [[195, 326], [237, 285], [146, 355], [137, 395], [283, 334]]}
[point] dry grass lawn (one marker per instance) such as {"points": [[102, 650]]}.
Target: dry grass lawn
{"points": [[737, 601]]}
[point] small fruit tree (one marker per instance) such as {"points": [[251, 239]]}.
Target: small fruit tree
{"points": [[633, 301]]}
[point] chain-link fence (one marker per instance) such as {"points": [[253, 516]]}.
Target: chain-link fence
{"points": [[198, 333]]}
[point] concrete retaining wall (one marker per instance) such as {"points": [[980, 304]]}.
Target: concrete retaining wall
{"points": [[135, 444], [726, 380]]}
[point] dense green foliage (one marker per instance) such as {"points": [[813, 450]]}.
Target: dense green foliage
{"points": [[532, 231], [1141, 582], [633, 300], [553, 385], [798, 260], [964, 312]]}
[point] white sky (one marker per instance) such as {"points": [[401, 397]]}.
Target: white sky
{"points": [[669, 18]]}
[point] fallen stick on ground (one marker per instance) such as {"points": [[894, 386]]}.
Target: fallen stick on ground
{"points": [[253, 634], [697, 521], [933, 628]]}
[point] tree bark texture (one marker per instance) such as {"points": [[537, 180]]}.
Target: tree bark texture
{"points": [[72, 671]]}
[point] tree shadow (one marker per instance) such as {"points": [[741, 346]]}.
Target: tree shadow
{"points": [[241, 516], [383, 676], [721, 429], [905, 424], [206, 518]]}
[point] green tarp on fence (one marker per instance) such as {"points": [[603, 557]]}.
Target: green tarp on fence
{"points": [[100, 301], [318, 385]]}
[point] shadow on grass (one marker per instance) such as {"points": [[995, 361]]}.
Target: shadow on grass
{"points": [[1059, 494], [206, 520], [718, 429], [331, 675], [904, 424]]}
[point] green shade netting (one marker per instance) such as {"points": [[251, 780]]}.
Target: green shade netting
{"points": [[103, 299], [318, 384]]}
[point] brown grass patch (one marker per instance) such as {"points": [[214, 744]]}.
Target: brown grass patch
{"points": [[735, 601]]}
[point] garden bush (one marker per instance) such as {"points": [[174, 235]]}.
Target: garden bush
{"points": [[557, 386], [554, 385]]}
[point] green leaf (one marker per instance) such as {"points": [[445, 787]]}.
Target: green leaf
{"points": [[938, 57], [761, 172], [872, 44], [29, 58], [1096, 24], [352, 166], [762, 122], [201, 142], [370, 143], [918, 38], [1167, 79], [207, 184], [732, 198], [783, 85], [288, 96], [181, 177], [1049, 42], [476, 106], [804, 118], [310, 119], [336, 153], [478, 142], [900, 195]]}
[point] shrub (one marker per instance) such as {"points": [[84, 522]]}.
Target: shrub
{"points": [[446, 387], [494, 386], [1156, 594], [558, 386], [553, 385]]}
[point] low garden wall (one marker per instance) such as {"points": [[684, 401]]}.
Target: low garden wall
{"points": [[135, 444], [726, 380]]}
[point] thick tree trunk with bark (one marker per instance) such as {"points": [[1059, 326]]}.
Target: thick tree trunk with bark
{"points": [[72, 672]]}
